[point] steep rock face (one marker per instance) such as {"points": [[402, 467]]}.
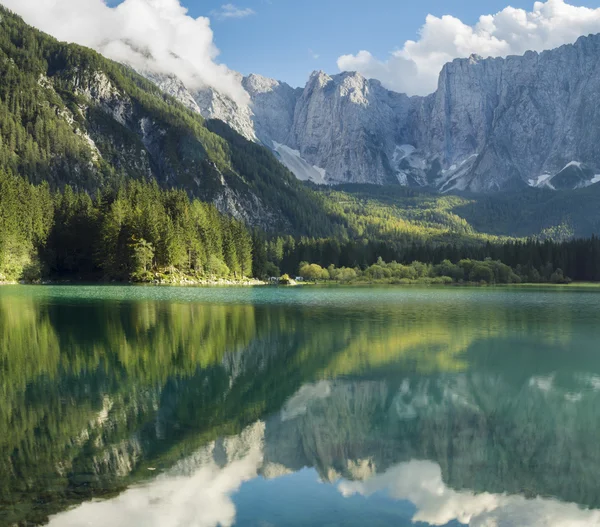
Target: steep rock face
{"points": [[218, 106], [337, 129], [207, 102], [174, 87], [273, 106], [347, 125], [450, 126], [492, 124], [526, 118]]}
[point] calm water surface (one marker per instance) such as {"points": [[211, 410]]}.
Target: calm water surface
{"points": [[185, 407]]}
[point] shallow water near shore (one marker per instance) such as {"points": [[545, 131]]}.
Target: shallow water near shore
{"points": [[187, 406]]}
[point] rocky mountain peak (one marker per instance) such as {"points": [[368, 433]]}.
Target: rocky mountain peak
{"points": [[318, 78], [255, 84], [493, 123], [355, 87]]}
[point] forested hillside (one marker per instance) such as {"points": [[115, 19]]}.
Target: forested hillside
{"points": [[535, 212], [529, 212], [70, 116], [139, 233]]}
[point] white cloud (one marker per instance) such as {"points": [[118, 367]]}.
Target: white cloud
{"points": [[155, 35], [232, 11], [195, 493], [414, 69], [421, 483]]}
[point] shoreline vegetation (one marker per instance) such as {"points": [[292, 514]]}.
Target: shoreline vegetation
{"points": [[141, 233], [330, 283], [465, 272], [248, 282]]}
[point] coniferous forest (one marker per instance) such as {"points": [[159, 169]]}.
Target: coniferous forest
{"points": [[141, 232], [127, 234]]}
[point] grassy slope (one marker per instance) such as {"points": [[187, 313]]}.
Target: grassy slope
{"points": [[527, 213]]}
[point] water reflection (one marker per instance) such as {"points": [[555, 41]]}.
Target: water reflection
{"points": [[422, 484], [468, 407]]}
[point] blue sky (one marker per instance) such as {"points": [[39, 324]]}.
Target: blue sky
{"points": [[283, 37], [404, 44]]}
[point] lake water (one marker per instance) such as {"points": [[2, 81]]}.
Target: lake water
{"points": [[173, 407]]}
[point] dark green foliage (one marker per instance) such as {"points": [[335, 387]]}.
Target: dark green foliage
{"points": [[542, 213], [144, 229], [25, 222], [38, 130], [480, 272], [259, 255], [530, 260], [139, 233], [486, 271]]}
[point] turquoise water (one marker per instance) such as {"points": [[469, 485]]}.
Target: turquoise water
{"points": [[129, 406]]}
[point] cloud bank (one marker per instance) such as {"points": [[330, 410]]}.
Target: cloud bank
{"points": [[414, 69], [154, 35]]}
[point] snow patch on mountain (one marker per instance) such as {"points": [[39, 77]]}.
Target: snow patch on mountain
{"points": [[298, 404], [402, 151], [303, 170], [594, 180], [456, 176], [540, 180]]}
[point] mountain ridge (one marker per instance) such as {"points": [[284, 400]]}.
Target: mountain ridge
{"points": [[493, 124]]}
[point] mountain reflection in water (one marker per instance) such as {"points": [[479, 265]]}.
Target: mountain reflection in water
{"points": [[325, 406]]}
